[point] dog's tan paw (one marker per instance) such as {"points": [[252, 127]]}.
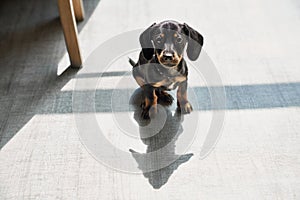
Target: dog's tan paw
{"points": [[184, 107], [164, 98]]}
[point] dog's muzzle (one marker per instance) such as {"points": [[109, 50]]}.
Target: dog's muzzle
{"points": [[169, 59]]}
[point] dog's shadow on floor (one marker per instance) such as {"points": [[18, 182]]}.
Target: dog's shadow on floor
{"points": [[158, 167]]}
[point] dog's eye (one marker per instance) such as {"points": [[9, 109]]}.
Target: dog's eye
{"points": [[158, 39], [179, 39]]}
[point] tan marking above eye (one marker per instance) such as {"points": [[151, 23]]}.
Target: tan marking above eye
{"points": [[162, 35], [175, 35]]}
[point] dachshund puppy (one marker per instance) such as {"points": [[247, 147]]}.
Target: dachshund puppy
{"points": [[161, 66]]}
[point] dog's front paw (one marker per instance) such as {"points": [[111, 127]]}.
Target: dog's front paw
{"points": [[164, 98], [184, 107]]}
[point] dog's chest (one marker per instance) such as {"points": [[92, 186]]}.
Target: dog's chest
{"points": [[166, 78]]}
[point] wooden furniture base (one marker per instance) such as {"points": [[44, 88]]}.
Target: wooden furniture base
{"points": [[70, 10]]}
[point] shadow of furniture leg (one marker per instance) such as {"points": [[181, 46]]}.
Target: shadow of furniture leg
{"points": [[68, 22]]}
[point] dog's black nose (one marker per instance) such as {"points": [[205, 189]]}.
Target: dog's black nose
{"points": [[168, 56]]}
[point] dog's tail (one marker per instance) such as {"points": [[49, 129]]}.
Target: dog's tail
{"points": [[132, 62]]}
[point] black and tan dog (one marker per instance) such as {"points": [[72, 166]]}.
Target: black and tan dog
{"points": [[161, 66]]}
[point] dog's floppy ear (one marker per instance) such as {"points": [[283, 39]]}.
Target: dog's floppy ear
{"points": [[145, 40], [195, 42]]}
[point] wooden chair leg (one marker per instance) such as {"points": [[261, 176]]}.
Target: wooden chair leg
{"points": [[78, 10], [68, 22]]}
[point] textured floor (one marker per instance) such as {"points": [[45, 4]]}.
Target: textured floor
{"points": [[255, 47]]}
